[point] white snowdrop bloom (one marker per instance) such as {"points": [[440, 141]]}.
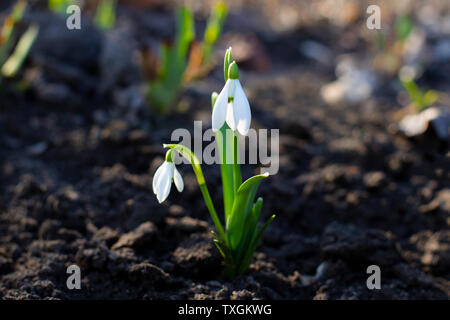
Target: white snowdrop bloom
{"points": [[162, 180], [236, 112]]}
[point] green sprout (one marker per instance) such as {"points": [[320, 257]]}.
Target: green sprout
{"points": [[391, 46], [213, 30], [164, 89], [231, 116], [105, 16], [11, 63], [60, 6], [178, 63], [419, 98], [404, 25]]}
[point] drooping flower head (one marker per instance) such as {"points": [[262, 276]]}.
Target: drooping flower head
{"points": [[164, 175], [232, 105]]}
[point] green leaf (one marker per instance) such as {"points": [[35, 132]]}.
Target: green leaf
{"points": [[430, 97], [251, 249], [251, 227], [223, 248], [105, 15], [15, 61], [163, 92], [251, 182], [185, 31], [6, 37], [403, 27], [18, 11], [419, 99], [219, 247], [241, 209], [226, 63], [214, 29], [59, 6]]}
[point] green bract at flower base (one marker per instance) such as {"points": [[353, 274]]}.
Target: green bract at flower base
{"points": [[238, 240]]}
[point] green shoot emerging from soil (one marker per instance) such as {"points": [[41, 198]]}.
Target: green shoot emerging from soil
{"points": [[105, 15], [11, 62], [60, 6], [231, 116], [420, 99], [392, 45], [185, 59]]}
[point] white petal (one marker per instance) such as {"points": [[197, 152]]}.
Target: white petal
{"points": [[165, 182], [232, 87], [242, 113], [178, 180], [220, 108], [157, 175], [230, 116]]}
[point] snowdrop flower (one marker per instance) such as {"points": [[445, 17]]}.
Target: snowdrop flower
{"points": [[164, 175], [232, 105]]}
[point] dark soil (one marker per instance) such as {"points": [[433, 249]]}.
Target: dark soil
{"points": [[78, 150]]}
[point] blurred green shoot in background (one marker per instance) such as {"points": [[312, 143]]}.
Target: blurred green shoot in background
{"points": [[60, 6], [104, 16], [391, 45], [419, 98], [184, 60], [11, 62]]}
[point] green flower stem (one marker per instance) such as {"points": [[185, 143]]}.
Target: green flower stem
{"points": [[190, 156], [237, 178], [212, 211], [226, 169]]}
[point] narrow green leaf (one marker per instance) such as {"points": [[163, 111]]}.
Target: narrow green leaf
{"points": [[185, 31], [15, 61], [213, 29], [226, 63], [105, 15], [241, 208], [251, 227], [249, 255], [219, 247], [6, 37], [18, 10], [403, 27], [249, 183], [163, 91], [59, 6]]}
